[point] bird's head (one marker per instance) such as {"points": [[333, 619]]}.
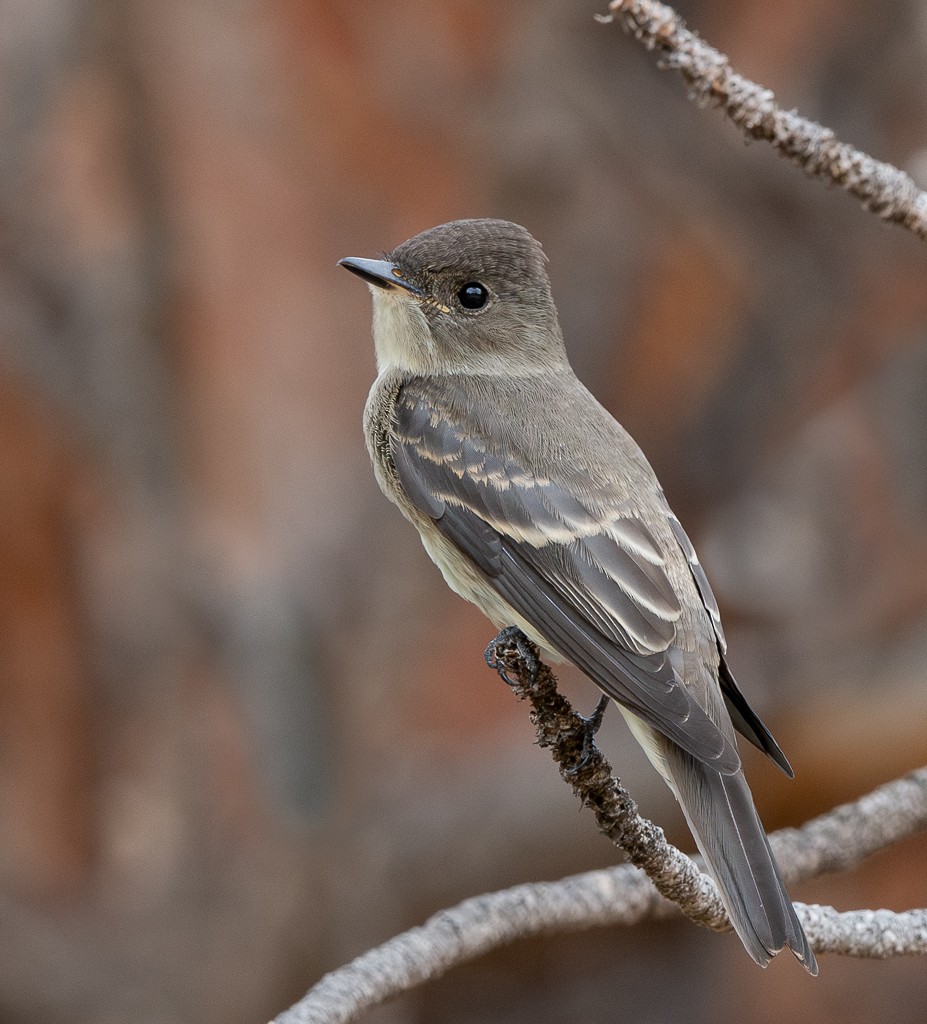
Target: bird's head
{"points": [[471, 296]]}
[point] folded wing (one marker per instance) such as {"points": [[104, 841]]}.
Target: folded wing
{"points": [[595, 585]]}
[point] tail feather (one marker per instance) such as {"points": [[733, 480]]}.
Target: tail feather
{"points": [[723, 819]]}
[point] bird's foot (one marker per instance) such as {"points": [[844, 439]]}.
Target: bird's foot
{"points": [[591, 726], [511, 643]]}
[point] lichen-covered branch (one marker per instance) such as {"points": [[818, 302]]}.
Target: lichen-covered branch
{"points": [[584, 767], [623, 895], [880, 187], [619, 896], [849, 834]]}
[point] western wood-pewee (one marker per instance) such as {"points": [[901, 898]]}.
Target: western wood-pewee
{"points": [[539, 508]]}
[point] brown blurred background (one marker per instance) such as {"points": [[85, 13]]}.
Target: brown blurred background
{"points": [[245, 730]]}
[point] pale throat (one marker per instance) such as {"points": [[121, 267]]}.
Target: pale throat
{"points": [[401, 334]]}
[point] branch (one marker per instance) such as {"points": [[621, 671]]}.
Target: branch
{"points": [[623, 895], [880, 187], [584, 767], [847, 835], [618, 896]]}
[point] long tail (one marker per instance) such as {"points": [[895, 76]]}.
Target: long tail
{"points": [[723, 819]]}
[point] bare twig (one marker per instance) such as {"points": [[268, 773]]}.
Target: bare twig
{"points": [[617, 896], [584, 767], [623, 895], [881, 187]]}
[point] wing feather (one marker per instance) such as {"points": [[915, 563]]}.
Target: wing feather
{"points": [[746, 721], [596, 588]]}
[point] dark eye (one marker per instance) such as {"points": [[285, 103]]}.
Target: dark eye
{"points": [[473, 295]]}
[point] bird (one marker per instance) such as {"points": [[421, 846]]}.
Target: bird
{"points": [[539, 508]]}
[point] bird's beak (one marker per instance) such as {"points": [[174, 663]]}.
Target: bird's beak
{"points": [[381, 273]]}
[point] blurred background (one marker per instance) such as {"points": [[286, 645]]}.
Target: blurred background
{"points": [[245, 730]]}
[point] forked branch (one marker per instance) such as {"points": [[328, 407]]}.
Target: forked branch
{"points": [[624, 895]]}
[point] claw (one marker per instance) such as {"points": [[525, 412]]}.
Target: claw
{"points": [[591, 726], [514, 637]]}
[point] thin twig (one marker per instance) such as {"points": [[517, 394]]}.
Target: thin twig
{"points": [[623, 895], [880, 187], [585, 768]]}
